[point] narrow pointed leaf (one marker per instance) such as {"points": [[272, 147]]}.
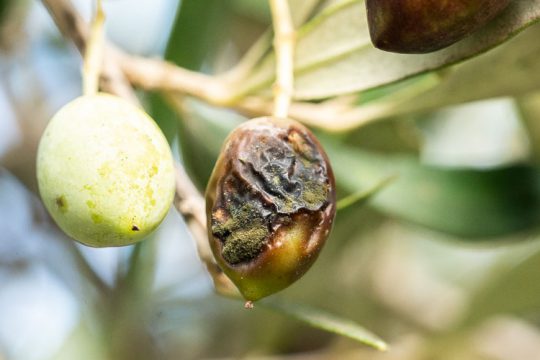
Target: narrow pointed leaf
{"points": [[323, 320], [361, 197]]}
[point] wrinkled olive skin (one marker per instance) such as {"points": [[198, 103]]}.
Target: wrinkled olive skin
{"points": [[422, 26], [270, 205], [105, 171]]}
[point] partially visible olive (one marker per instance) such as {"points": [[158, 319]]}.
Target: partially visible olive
{"points": [[270, 205], [422, 26]]}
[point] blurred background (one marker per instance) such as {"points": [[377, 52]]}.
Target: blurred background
{"points": [[442, 263]]}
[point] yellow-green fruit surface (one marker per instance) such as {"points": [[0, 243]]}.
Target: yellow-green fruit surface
{"points": [[105, 171]]}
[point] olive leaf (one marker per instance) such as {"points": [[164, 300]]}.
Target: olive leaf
{"points": [[512, 69], [323, 320], [334, 55], [466, 202], [202, 131], [362, 196], [190, 42]]}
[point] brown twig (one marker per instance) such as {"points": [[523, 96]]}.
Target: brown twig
{"points": [[73, 27], [190, 204], [188, 201], [120, 69]]}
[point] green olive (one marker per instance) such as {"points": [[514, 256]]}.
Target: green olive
{"points": [[270, 205], [105, 171], [422, 26]]}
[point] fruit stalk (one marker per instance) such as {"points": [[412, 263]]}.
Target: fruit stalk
{"points": [[284, 46], [93, 57]]}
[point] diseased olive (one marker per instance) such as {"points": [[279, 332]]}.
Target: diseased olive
{"points": [[105, 171], [422, 26], [270, 205]]}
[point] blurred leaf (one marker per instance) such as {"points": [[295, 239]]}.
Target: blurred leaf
{"points": [[361, 197], [203, 129], [512, 69], [260, 9], [197, 31], [257, 9], [328, 322], [515, 289], [465, 202], [195, 35], [334, 54]]}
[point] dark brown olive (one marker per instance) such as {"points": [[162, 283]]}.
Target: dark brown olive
{"points": [[270, 205], [422, 26]]}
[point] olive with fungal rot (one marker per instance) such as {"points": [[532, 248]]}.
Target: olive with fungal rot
{"points": [[105, 171], [422, 26], [270, 205]]}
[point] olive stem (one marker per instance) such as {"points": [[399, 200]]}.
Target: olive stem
{"points": [[72, 26], [284, 39], [93, 57]]}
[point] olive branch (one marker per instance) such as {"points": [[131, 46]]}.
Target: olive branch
{"points": [[116, 72]]}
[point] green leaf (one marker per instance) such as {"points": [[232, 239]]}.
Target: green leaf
{"points": [[334, 54], [194, 37], [202, 130], [260, 9], [320, 319], [362, 196], [512, 69], [470, 203]]}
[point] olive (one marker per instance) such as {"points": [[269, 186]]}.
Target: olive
{"points": [[105, 171], [270, 205], [422, 26]]}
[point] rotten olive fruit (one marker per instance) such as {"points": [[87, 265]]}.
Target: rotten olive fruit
{"points": [[270, 205], [422, 26], [105, 171]]}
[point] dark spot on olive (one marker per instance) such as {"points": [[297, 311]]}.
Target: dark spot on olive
{"points": [[135, 228], [61, 203], [271, 173]]}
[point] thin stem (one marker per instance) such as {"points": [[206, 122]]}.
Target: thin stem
{"points": [[284, 39], [73, 27], [93, 58], [190, 203]]}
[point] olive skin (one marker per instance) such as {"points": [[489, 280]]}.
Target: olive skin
{"points": [[105, 171], [423, 26], [270, 205]]}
